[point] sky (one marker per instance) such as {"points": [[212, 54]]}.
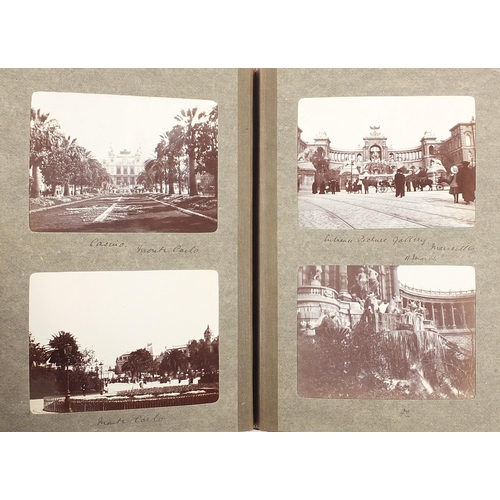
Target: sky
{"points": [[124, 122], [438, 277], [403, 120], [118, 312]]}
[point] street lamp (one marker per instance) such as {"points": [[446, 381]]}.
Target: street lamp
{"points": [[67, 401], [101, 383]]}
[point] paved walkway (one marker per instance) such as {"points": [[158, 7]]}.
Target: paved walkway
{"points": [[420, 209], [123, 213]]}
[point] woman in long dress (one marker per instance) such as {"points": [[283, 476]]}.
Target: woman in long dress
{"points": [[454, 188]]}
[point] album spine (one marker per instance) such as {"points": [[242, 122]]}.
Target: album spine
{"points": [[267, 254]]}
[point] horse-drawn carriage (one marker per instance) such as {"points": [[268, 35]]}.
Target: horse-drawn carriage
{"points": [[381, 183], [385, 185], [426, 182], [441, 183]]}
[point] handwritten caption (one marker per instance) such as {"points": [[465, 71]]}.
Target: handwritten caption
{"points": [[143, 249], [423, 244], [404, 413], [140, 419]]}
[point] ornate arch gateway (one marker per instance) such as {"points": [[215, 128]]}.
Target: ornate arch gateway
{"points": [[363, 334], [376, 157]]}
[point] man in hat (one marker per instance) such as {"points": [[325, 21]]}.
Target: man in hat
{"points": [[399, 180], [466, 178]]}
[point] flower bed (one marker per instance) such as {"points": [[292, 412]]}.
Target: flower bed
{"points": [[182, 389], [200, 203], [51, 201], [135, 401]]}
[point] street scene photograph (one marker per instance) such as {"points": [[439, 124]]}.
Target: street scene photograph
{"points": [[123, 340], [386, 332], [113, 163], [386, 162]]}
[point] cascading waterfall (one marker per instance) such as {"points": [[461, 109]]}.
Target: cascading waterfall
{"points": [[389, 363]]}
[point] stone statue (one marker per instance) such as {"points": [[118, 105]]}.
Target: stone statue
{"points": [[316, 279], [362, 280], [305, 155], [373, 283]]}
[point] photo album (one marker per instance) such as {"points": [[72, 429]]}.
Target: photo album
{"points": [[216, 250]]}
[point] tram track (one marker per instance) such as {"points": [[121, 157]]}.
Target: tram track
{"points": [[425, 212], [329, 212], [462, 208], [454, 215], [350, 226]]}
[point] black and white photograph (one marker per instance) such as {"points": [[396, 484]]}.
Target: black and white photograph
{"points": [[112, 163], [386, 162], [386, 332], [123, 340]]}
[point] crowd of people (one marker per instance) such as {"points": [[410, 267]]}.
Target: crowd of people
{"points": [[461, 180]]}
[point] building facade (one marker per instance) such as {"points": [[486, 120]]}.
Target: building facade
{"points": [[120, 361], [376, 157], [452, 312], [349, 292], [123, 167]]}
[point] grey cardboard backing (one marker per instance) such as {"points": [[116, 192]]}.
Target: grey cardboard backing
{"points": [[281, 407], [24, 252]]}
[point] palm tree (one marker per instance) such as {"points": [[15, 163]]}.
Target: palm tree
{"points": [[139, 362], [42, 134], [85, 167], [174, 361], [187, 120], [63, 350], [145, 179], [169, 149], [98, 175], [37, 353], [207, 146], [156, 169]]}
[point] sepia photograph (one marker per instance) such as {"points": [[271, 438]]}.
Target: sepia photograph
{"points": [[112, 163], [386, 162], [386, 332], [123, 340]]}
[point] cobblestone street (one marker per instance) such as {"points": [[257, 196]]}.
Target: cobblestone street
{"points": [[417, 209]]}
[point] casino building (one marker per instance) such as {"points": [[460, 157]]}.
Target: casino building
{"points": [[123, 167], [343, 290], [375, 157]]}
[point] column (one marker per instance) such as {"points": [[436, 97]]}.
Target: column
{"points": [[433, 315], [343, 283], [452, 307], [394, 280], [310, 270], [442, 316], [427, 310], [464, 316]]}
